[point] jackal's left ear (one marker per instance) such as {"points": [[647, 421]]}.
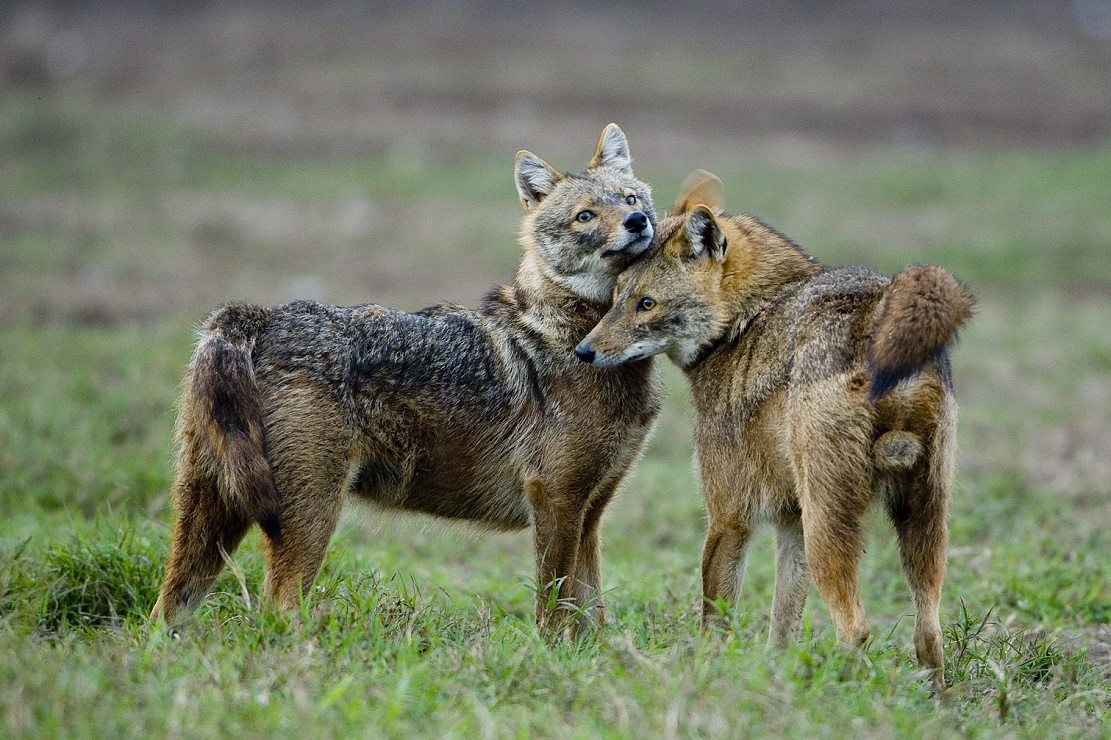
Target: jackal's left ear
{"points": [[705, 235], [613, 150], [535, 179], [700, 187]]}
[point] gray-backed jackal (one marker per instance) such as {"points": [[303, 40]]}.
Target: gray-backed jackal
{"points": [[482, 415], [817, 391]]}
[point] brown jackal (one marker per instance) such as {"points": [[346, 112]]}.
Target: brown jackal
{"points": [[817, 390], [481, 415]]}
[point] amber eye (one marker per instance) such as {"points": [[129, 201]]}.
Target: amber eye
{"points": [[630, 199], [646, 304], [585, 216]]}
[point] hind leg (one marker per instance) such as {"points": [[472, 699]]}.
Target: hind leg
{"points": [[834, 543], [920, 521], [205, 525], [309, 515], [308, 452], [920, 517], [830, 440]]}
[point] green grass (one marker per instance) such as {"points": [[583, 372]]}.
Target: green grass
{"points": [[422, 628], [417, 628], [374, 651]]}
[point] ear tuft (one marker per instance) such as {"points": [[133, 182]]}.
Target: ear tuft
{"points": [[705, 235], [535, 179], [613, 150], [700, 187]]}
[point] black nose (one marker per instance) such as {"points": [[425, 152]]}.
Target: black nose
{"points": [[586, 354], [636, 222]]}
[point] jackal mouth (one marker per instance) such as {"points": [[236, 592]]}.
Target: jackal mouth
{"points": [[636, 244], [636, 353], [618, 360]]}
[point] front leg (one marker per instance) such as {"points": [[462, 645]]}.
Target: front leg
{"points": [[792, 581], [558, 522], [588, 568]]}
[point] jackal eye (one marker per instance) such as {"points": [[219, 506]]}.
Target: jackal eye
{"points": [[646, 304], [585, 216], [630, 199]]}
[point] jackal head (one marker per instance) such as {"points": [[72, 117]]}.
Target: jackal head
{"points": [[671, 301], [585, 228]]}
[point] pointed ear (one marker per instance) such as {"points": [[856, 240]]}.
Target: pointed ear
{"points": [[705, 235], [613, 150], [700, 187], [535, 179]]}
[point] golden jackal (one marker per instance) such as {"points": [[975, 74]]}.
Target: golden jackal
{"points": [[817, 390], [481, 415]]}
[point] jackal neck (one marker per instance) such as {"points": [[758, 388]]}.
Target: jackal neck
{"points": [[760, 264], [552, 309]]}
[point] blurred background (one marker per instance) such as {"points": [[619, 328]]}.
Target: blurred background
{"points": [[164, 156], [159, 158]]}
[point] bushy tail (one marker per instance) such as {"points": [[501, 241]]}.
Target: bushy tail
{"points": [[226, 410], [924, 307]]}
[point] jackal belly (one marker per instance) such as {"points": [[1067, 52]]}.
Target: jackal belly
{"points": [[476, 482]]}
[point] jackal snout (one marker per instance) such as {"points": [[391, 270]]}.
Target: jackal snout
{"points": [[636, 222], [638, 235]]}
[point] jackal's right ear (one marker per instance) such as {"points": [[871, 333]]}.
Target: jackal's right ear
{"points": [[700, 187], [705, 235], [613, 149], [535, 179]]}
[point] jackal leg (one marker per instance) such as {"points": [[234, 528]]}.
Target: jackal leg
{"points": [[920, 517], [206, 523], [723, 563], [588, 569], [310, 467], [830, 441], [792, 581], [309, 517], [558, 521], [833, 508], [921, 526]]}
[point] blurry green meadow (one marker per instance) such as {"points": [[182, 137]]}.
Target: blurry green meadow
{"points": [[122, 225]]}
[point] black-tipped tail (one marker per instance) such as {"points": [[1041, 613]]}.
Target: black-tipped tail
{"points": [[924, 308]]}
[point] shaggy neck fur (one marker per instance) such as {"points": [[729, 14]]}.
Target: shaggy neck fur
{"points": [[550, 308], [759, 264]]}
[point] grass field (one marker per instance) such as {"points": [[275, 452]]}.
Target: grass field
{"points": [[120, 226]]}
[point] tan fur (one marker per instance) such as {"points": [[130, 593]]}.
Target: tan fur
{"points": [[478, 415], [924, 308], [700, 188], [782, 356]]}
